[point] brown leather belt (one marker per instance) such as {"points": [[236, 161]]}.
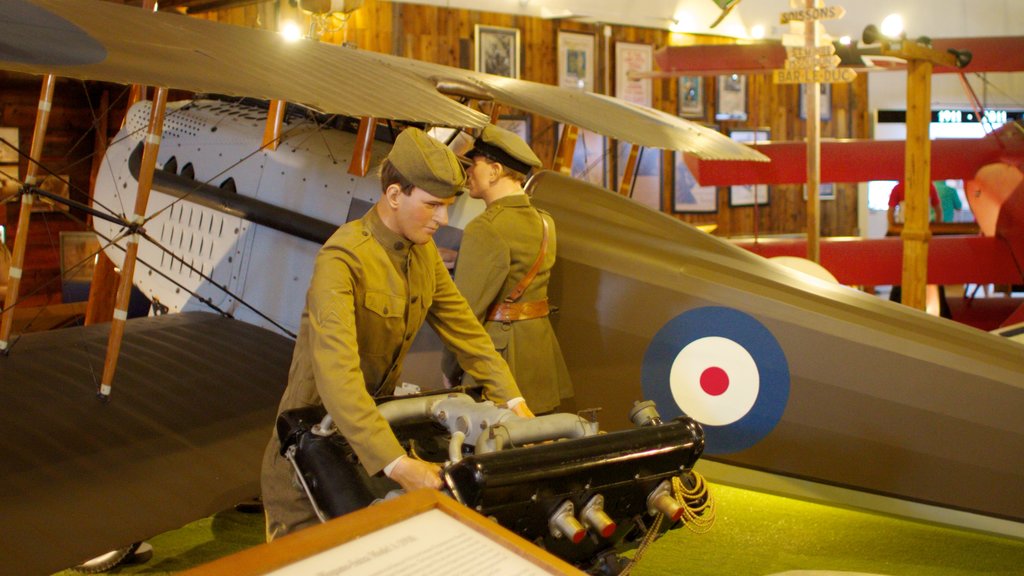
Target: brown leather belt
{"points": [[516, 311]]}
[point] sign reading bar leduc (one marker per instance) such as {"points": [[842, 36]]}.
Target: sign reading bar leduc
{"points": [[810, 14], [797, 76]]}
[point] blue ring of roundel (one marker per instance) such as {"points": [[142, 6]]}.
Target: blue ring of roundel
{"points": [[748, 332]]}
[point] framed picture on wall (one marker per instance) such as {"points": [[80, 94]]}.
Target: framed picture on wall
{"points": [[731, 91], [629, 58], [518, 123], [691, 96], [8, 144], [825, 192], [826, 102], [687, 196], [497, 50], [576, 60], [750, 194]]}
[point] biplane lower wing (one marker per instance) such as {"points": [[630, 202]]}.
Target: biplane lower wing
{"points": [[182, 441]]}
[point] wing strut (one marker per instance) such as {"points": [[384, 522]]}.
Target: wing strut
{"points": [[629, 174], [360, 164], [566, 149], [27, 198], [152, 146], [275, 118]]}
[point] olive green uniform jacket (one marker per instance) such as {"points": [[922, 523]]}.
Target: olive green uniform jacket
{"points": [[498, 249], [370, 292]]}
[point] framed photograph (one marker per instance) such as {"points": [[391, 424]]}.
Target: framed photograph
{"points": [[576, 60], [497, 50], [750, 194], [825, 192], [687, 196], [732, 97], [518, 123], [647, 183], [8, 146], [826, 102], [78, 252], [691, 96], [631, 57]]}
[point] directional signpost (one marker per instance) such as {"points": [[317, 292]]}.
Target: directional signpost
{"points": [[811, 64]]}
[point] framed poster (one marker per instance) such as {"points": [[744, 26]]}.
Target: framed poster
{"points": [[825, 192], [691, 96], [631, 57], [826, 102], [497, 50], [749, 194], [687, 196], [520, 124], [732, 97], [647, 182], [588, 158], [576, 60], [8, 146]]}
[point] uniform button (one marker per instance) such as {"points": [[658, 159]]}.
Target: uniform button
{"points": [[415, 298], [408, 337], [399, 245], [365, 233], [385, 310]]}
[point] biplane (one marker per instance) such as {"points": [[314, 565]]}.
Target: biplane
{"points": [[184, 442], [785, 373]]}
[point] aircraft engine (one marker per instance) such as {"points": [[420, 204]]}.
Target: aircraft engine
{"points": [[556, 480]]}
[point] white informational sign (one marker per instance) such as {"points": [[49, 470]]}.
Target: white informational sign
{"points": [[429, 543]]}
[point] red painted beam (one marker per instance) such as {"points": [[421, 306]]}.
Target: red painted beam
{"points": [[951, 259], [992, 54], [846, 161]]}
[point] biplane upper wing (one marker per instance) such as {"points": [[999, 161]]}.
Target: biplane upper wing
{"points": [[115, 43], [604, 115]]}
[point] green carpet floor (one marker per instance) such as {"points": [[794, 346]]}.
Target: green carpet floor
{"points": [[754, 534]]}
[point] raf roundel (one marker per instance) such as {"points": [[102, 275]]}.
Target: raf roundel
{"points": [[722, 368]]}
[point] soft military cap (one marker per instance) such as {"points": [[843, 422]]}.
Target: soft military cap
{"points": [[504, 147], [427, 163]]}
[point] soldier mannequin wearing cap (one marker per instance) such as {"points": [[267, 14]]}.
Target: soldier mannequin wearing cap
{"points": [[499, 248], [375, 282]]}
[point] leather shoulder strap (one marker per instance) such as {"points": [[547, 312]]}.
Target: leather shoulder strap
{"points": [[523, 284]]}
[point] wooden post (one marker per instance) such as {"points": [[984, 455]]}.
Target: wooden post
{"points": [[149, 152], [24, 216], [917, 180], [566, 150], [813, 99], [917, 176]]}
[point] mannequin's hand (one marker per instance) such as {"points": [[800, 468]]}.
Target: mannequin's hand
{"points": [[412, 474]]}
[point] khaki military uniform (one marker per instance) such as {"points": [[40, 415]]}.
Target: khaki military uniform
{"points": [[371, 291], [498, 249]]}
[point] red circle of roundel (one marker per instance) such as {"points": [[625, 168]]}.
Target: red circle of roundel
{"points": [[722, 368]]}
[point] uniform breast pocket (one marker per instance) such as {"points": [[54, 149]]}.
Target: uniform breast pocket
{"points": [[385, 305]]}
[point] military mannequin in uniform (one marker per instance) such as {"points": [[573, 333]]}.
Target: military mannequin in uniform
{"points": [[375, 282], [499, 248]]}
